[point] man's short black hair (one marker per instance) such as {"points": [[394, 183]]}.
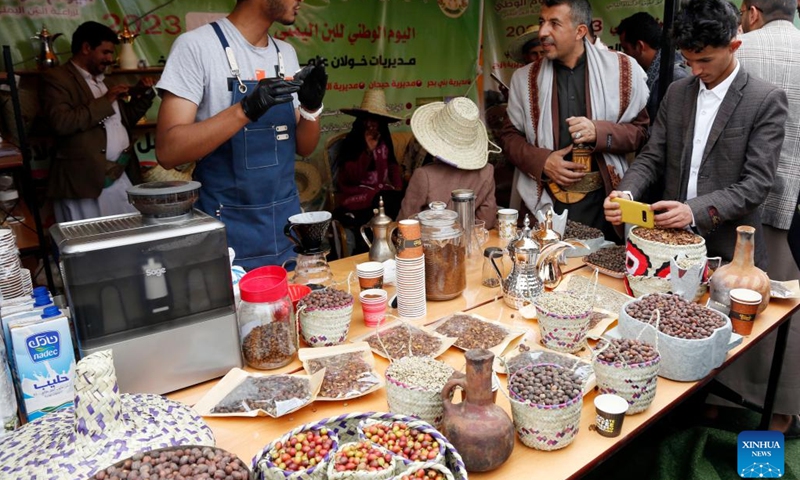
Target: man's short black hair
{"points": [[94, 34], [705, 23], [641, 26], [580, 10], [773, 9]]}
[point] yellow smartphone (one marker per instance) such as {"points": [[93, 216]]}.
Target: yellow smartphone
{"points": [[636, 213]]}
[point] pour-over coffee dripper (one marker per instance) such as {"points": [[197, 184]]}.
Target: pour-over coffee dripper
{"points": [[310, 230]]}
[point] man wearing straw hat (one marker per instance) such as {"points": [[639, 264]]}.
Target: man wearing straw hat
{"points": [[577, 94], [229, 101], [454, 135]]}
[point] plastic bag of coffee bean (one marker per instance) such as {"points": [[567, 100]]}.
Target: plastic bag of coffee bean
{"points": [[349, 370], [397, 340], [243, 394], [474, 331]]}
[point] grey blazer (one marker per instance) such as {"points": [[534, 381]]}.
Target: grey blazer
{"points": [[738, 165]]}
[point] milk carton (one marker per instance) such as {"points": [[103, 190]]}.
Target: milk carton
{"points": [[44, 364]]}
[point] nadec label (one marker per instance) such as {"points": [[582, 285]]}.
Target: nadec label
{"points": [[760, 454]]}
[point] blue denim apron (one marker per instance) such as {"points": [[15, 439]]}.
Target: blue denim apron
{"points": [[248, 182]]}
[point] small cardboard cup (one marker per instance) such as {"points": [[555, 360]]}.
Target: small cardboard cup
{"points": [[744, 307], [610, 411], [373, 306]]}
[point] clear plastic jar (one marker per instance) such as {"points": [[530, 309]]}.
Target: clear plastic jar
{"points": [[267, 323], [445, 252]]}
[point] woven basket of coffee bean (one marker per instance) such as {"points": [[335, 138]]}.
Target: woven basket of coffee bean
{"points": [[362, 460], [692, 339], [564, 319], [188, 462], [546, 402], [279, 460], [430, 471], [345, 428], [627, 368], [649, 250], [413, 442], [325, 317], [414, 386]]}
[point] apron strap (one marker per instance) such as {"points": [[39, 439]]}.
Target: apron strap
{"points": [[280, 71]]}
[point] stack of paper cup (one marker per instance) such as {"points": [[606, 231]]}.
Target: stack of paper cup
{"points": [[11, 278], [370, 275], [373, 305], [410, 281]]}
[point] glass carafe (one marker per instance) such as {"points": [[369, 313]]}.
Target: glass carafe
{"points": [[445, 252]]}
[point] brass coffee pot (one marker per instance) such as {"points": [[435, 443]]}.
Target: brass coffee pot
{"points": [[380, 248], [552, 252], [47, 57]]}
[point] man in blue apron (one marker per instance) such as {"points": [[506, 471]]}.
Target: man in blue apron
{"points": [[228, 102]]}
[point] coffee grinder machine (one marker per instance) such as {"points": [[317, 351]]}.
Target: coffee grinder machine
{"points": [[155, 288], [311, 247]]}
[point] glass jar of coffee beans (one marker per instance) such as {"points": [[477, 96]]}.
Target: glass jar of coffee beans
{"points": [[267, 323]]}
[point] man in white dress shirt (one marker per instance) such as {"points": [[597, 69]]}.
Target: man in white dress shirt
{"points": [[94, 163], [769, 51], [716, 139]]}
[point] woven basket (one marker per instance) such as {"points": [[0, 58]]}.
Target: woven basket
{"points": [[651, 259], [413, 468], [345, 427], [362, 475], [546, 427], [635, 382], [269, 471], [325, 327], [564, 333], [409, 400], [422, 427]]}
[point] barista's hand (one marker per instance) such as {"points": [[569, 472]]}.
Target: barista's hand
{"points": [[117, 92], [315, 81], [562, 172], [268, 93]]}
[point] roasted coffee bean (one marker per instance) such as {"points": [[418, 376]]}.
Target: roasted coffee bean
{"points": [[393, 342], [445, 274], [266, 346], [669, 236], [545, 385], [327, 298], [677, 317], [611, 258], [346, 374], [580, 231], [264, 393], [472, 332], [627, 352], [200, 463]]}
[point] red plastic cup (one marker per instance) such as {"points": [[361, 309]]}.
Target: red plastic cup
{"points": [[373, 306]]}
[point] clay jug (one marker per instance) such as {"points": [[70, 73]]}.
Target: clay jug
{"points": [[481, 431], [741, 272]]}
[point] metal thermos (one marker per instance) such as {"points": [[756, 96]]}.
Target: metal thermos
{"points": [[464, 204]]}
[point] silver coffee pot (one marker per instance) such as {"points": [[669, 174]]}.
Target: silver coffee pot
{"points": [[522, 284], [381, 247], [46, 57]]}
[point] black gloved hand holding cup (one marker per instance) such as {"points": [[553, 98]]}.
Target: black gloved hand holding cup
{"points": [[315, 82], [268, 93]]}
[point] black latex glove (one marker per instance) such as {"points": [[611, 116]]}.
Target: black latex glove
{"points": [[268, 93], [315, 81]]}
